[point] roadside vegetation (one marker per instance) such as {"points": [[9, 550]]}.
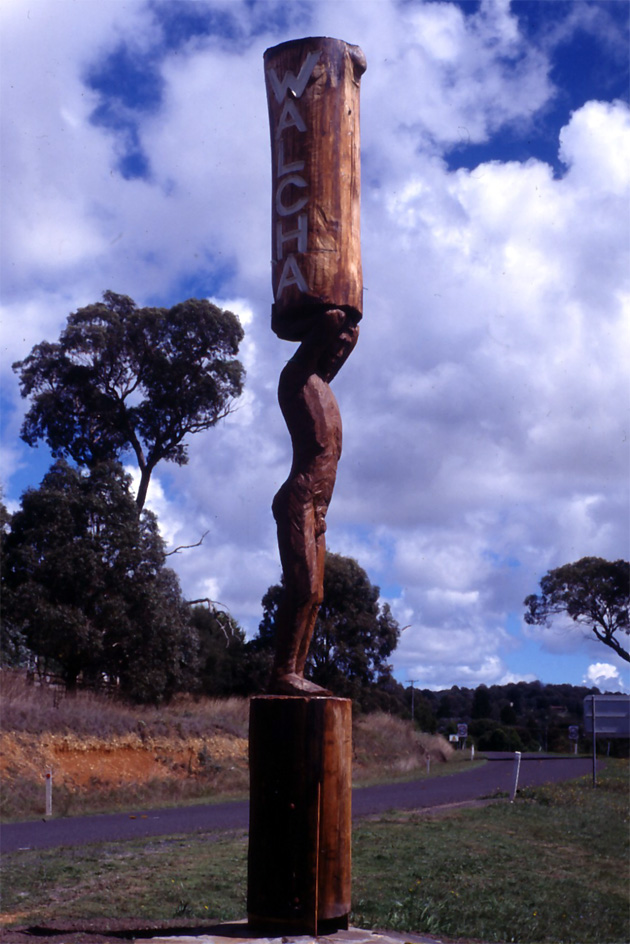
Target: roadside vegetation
{"points": [[107, 755], [551, 867]]}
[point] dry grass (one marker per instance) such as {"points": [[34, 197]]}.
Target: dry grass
{"points": [[386, 746], [35, 709], [105, 755]]}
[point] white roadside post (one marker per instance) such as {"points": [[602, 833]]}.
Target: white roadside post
{"points": [[49, 791], [517, 769]]}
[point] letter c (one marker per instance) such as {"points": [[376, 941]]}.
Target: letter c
{"points": [[299, 204]]}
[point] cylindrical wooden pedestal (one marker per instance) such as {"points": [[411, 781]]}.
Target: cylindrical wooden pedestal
{"points": [[299, 871]]}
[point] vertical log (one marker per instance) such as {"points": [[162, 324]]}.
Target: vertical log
{"points": [[313, 97], [299, 869]]}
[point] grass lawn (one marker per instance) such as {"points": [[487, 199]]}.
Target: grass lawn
{"points": [[552, 867]]}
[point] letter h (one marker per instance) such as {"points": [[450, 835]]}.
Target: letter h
{"points": [[301, 234]]}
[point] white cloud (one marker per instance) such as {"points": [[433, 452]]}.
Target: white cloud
{"points": [[594, 145], [158, 502], [484, 407], [436, 76], [606, 677]]}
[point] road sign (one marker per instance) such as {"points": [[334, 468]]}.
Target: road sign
{"points": [[612, 715], [462, 730]]}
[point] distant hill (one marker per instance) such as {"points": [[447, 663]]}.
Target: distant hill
{"points": [[519, 716]]}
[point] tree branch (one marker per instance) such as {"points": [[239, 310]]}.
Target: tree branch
{"points": [[185, 547], [214, 604], [211, 603]]}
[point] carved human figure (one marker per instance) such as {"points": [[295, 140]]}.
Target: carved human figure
{"points": [[312, 416]]}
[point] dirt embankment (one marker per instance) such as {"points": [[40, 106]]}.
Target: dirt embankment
{"points": [[105, 755], [90, 762]]}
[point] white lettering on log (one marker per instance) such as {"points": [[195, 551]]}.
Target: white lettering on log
{"points": [[289, 81], [290, 118], [301, 234], [291, 87], [291, 275], [297, 205]]}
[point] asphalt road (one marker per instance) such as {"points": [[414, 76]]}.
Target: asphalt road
{"points": [[479, 782]]}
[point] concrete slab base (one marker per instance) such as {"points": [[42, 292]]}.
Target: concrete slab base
{"points": [[229, 934]]}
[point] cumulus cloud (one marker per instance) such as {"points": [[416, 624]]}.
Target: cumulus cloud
{"points": [[495, 406], [484, 407], [605, 677]]}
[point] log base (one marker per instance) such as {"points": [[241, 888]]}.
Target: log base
{"points": [[299, 866]]}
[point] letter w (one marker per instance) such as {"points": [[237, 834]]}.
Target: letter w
{"points": [[289, 81]]}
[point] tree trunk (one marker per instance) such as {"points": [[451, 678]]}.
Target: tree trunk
{"points": [[143, 488]]}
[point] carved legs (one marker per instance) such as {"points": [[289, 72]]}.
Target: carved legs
{"points": [[302, 554]]}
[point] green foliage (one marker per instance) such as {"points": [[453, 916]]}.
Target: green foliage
{"points": [[354, 635], [518, 716], [497, 738], [13, 648], [482, 703], [222, 653], [509, 715], [127, 379], [536, 715], [593, 592], [423, 714], [85, 582]]}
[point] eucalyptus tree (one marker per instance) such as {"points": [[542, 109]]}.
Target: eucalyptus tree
{"points": [[123, 379], [85, 584], [594, 593]]}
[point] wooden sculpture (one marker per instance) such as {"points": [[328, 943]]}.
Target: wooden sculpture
{"points": [[313, 96], [300, 745]]}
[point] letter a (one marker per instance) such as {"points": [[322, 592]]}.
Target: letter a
{"points": [[290, 118], [291, 275]]}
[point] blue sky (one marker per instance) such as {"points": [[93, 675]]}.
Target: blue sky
{"points": [[485, 408]]}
